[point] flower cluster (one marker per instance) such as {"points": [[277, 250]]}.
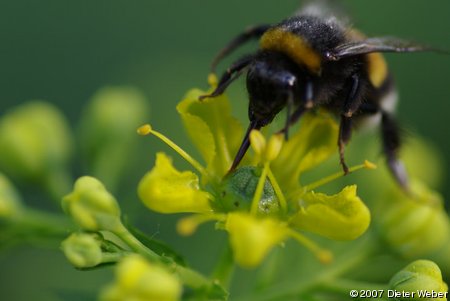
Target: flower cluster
{"points": [[262, 203]]}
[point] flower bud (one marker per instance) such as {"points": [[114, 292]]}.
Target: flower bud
{"points": [[10, 203], [83, 250], [107, 131], [35, 141], [414, 226], [91, 206], [139, 280], [422, 279], [239, 188]]}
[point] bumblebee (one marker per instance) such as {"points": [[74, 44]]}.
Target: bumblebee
{"points": [[312, 60]]}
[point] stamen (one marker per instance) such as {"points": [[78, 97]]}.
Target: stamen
{"points": [[188, 225], [276, 187], [367, 164], [147, 130], [323, 255], [259, 190], [212, 80], [258, 142]]}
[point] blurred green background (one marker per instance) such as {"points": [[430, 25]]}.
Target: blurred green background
{"points": [[63, 51]]}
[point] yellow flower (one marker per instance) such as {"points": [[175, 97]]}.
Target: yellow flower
{"points": [[262, 202], [139, 280]]}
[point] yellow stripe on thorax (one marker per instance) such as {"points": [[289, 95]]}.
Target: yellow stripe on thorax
{"points": [[376, 64], [294, 46], [377, 69]]}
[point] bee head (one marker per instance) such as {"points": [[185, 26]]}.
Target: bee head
{"points": [[271, 82]]}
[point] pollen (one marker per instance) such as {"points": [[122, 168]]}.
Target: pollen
{"points": [[144, 130]]}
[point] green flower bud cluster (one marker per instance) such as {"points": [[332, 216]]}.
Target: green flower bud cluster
{"points": [[35, 145], [420, 280], [415, 226]]}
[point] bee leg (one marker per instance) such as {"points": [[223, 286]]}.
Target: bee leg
{"points": [[289, 106], [232, 73], [353, 101], [352, 104], [391, 143], [304, 106], [391, 146], [345, 133], [251, 33]]}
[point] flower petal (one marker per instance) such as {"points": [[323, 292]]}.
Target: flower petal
{"points": [[312, 144], [342, 216], [215, 133], [252, 238], [167, 190]]}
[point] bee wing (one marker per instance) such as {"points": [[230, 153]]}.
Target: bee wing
{"points": [[383, 44]]}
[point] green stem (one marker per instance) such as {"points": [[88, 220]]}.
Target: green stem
{"points": [[225, 268], [45, 222], [58, 183], [189, 277], [112, 257], [135, 245]]}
